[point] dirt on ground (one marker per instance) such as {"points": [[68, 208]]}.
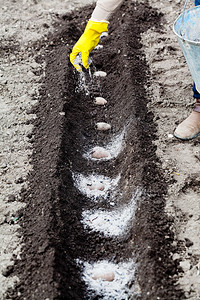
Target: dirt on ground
{"points": [[171, 102], [48, 122]]}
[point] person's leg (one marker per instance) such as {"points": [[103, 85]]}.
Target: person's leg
{"points": [[190, 127], [195, 92]]}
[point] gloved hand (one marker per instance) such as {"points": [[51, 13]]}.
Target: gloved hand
{"points": [[87, 42]]}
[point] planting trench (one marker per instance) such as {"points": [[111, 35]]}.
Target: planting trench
{"points": [[69, 233]]}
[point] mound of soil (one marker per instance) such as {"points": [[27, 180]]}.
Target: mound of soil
{"points": [[53, 235]]}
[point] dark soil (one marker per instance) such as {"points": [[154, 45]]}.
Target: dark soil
{"points": [[53, 235]]}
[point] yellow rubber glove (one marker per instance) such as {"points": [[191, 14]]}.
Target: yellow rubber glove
{"points": [[87, 42]]}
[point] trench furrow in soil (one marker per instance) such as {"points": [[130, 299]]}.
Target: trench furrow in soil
{"points": [[63, 238]]}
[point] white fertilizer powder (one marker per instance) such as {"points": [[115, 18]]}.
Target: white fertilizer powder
{"points": [[85, 183], [104, 34], [113, 148], [111, 223], [117, 289], [98, 47]]}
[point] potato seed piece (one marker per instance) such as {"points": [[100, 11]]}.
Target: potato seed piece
{"points": [[97, 186], [100, 74], [100, 101], [99, 153], [110, 276], [103, 126]]}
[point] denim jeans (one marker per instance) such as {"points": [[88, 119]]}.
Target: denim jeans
{"points": [[195, 93]]}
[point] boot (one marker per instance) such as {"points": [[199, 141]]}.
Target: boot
{"points": [[190, 127]]}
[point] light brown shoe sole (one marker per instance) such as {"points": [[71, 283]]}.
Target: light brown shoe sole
{"points": [[188, 138]]}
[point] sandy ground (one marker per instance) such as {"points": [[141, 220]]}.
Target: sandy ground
{"points": [[23, 22]]}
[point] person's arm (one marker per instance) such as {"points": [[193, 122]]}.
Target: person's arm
{"points": [[104, 9], [95, 26]]}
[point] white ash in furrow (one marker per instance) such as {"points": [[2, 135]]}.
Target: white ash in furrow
{"points": [[109, 280], [110, 151], [113, 222], [95, 185]]}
